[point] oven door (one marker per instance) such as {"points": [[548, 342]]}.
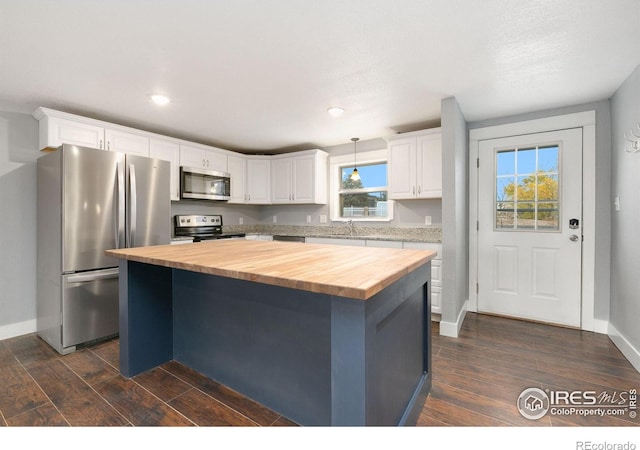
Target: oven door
{"points": [[202, 184]]}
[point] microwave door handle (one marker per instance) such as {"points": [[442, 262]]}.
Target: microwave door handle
{"points": [[120, 205], [133, 204]]}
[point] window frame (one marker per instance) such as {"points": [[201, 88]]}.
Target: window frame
{"points": [[365, 158]]}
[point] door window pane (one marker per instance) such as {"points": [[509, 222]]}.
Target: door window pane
{"points": [[505, 216], [505, 162], [527, 189], [547, 187], [526, 161]]}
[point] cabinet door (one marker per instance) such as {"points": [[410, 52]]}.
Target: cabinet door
{"points": [[281, 180], [337, 241], [192, 157], [429, 163], [259, 181], [436, 299], [216, 161], [168, 151], [384, 244], [402, 169], [303, 179], [238, 173], [129, 143], [62, 131]]}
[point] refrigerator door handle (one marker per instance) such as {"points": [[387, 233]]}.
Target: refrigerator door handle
{"points": [[92, 276], [133, 204], [120, 215]]}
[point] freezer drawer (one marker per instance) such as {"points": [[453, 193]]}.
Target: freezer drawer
{"points": [[89, 306]]}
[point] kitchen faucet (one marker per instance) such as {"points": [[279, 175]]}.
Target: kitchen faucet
{"points": [[350, 225]]}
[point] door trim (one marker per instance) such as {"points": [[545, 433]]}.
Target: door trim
{"points": [[585, 120]]}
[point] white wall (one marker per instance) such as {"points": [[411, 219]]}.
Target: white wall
{"points": [[625, 247], [455, 212], [18, 153]]}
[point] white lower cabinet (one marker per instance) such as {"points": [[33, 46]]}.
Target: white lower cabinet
{"points": [[336, 241], [436, 263], [436, 272], [384, 244], [258, 237]]}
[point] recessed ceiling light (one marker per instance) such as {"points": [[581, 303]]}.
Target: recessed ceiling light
{"points": [[335, 111], [160, 99]]}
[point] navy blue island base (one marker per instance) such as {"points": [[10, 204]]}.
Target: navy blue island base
{"points": [[317, 359]]}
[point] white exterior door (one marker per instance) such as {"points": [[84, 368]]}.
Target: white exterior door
{"points": [[530, 226]]}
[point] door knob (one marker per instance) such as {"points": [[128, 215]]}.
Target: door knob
{"points": [[574, 238]]}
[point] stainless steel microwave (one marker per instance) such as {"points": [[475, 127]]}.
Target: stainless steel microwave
{"points": [[204, 184]]}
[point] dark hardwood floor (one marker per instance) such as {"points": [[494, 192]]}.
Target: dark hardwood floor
{"points": [[477, 380], [40, 387], [479, 376]]}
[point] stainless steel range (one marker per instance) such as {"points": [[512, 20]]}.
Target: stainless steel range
{"points": [[202, 228]]}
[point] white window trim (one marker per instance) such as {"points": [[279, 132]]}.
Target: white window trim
{"points": [[335, 183]]}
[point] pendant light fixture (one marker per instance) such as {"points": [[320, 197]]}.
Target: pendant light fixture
{"points": [[355, 176]]}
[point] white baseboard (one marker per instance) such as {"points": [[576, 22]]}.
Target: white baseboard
{"points": [[627, 349], [600, 326], [17, 329], [452, 329]]}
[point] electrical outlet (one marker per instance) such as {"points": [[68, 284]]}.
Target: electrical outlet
{"points": [[275, 219], [427, 220], [308, 219], [323, 218], [241, 221]]}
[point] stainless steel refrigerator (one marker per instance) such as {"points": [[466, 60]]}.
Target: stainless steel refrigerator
{"points": [[90, 201]]}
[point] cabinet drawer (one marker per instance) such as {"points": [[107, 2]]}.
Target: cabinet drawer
{"points": [[436, 272], [436, 299]]}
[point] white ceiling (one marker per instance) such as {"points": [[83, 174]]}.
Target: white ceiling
{"points": [[259, 75]]}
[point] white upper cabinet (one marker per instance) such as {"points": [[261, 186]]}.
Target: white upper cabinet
{"points": [[299, 177], [60, 128], [55, 131], [129, 143], [203, 157], [258, 180], [168, 151], [237, 166], [281, 190], [415, 165]]}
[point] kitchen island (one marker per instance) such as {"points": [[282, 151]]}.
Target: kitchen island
{"points": [[324, 335]]}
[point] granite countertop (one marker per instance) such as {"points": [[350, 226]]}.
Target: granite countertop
{"points": [[354, 272], [415, 234]]}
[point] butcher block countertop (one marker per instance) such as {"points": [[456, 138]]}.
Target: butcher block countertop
{"points": [[354, 272]]}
